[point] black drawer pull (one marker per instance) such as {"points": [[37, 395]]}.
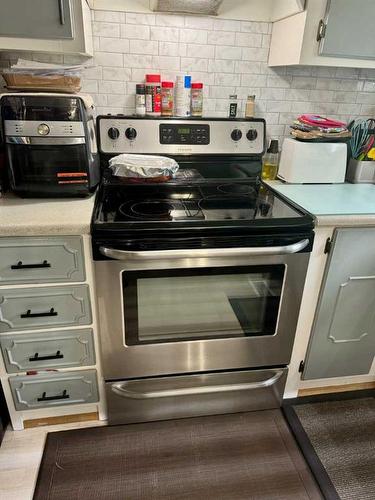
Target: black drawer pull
{"points": [[19, 265], [64, 395], [36, 356], [29, 314]]}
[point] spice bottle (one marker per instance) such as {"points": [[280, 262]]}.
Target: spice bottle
{"points": [[250, 106], [183, 93], [271, 161], [232, 106], [167, 98], [140, 99], [196, 99], [153, 95]]}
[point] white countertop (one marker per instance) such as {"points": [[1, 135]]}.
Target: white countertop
{"points": [[34, 217], [332, 204]]}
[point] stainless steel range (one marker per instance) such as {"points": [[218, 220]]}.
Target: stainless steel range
{"points": [[199, 279]]}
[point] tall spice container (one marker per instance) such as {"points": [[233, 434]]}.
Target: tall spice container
{"points": [[183, 95], [196, 99], [153, 95]]}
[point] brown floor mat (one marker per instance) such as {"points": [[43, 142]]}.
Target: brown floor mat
{"points": [[241, 456], [338, 441]]}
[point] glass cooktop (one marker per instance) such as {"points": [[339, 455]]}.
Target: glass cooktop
{"points": [[203, 203]]}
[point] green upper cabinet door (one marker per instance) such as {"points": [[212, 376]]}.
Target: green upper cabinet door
{"points": [[349, 29], [342, 342], [42, 19], [41, 260]]}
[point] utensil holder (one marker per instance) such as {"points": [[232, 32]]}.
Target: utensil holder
{"points": [[360, 172]]}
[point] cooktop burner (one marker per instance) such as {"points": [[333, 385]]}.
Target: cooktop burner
{"points": [[159, 210], [235, 189]]}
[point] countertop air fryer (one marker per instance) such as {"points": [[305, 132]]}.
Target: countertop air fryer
{"points": [[50, 144]]}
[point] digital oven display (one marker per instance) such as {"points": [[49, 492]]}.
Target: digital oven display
{"points": [[194, 134]]}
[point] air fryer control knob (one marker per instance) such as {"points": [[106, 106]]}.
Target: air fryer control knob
{"points": [[113, 133], [252, 134], [236, 134], [130, 133]]}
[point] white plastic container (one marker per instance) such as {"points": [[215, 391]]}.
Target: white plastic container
{"points": [[183, 96]]}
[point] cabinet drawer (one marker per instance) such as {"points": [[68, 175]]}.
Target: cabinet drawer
{"points": [[40, 260], [31, 351], [55, 389], [45, 307]]}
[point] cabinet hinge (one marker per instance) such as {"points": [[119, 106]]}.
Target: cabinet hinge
{"points": [[321, 30], [328, 245], [301, 366]]}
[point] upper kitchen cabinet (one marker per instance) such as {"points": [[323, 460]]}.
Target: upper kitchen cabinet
{"points": [[326, 33], [58, 26]]}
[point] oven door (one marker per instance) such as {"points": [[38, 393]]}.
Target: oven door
{"points": [[211, 309]]}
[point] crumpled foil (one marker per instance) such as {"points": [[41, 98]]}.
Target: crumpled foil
{"points": [[142, 166]]}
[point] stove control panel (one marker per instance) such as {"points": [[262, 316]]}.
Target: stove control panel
{"points": [[175, 136], [184, 134]]}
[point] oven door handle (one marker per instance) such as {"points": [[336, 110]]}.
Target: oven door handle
{"points": [[120, 388], [129, 255]]}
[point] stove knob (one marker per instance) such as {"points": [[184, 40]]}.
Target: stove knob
{"points": [[130, 133], [252, 134], [236, 134], [113, 133]]}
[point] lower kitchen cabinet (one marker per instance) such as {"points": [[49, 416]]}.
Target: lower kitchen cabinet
{"points": [[54, 389], [342, 342], [44, 307], [51, 349]]}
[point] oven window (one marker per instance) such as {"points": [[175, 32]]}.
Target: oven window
{"points": [[210, 303]]}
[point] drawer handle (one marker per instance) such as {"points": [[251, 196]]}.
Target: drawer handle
{"points": [[36, 356], [64, 395], [19, 265], [29, 314]]}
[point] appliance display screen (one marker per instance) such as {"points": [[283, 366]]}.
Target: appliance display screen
{"points": [[185, 130]]}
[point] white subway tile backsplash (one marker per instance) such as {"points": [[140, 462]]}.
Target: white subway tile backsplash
{"points": [[114, 45], [135, 18], [170, 20], [107, 87], [366, 98], [106, 29], [227, 79], [135, 31], [255, 27], [226, 25], [108, 59], [193, 36], [172, 49], [253, 80], [227, 52], [199, 22], [221, 37], [109, 16], [166, 62], [248, 40], [227, 56], [254, 54], [221, 66], [144, 47], [164, 34], [90, 86], [205, 51], [121, 74], [194, 64], [137, 61]]}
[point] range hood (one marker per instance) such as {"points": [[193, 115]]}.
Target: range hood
{"points": [[203, 7]]}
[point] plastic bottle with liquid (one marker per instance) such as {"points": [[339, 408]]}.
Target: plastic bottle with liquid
{"points": [[270, 162]]}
